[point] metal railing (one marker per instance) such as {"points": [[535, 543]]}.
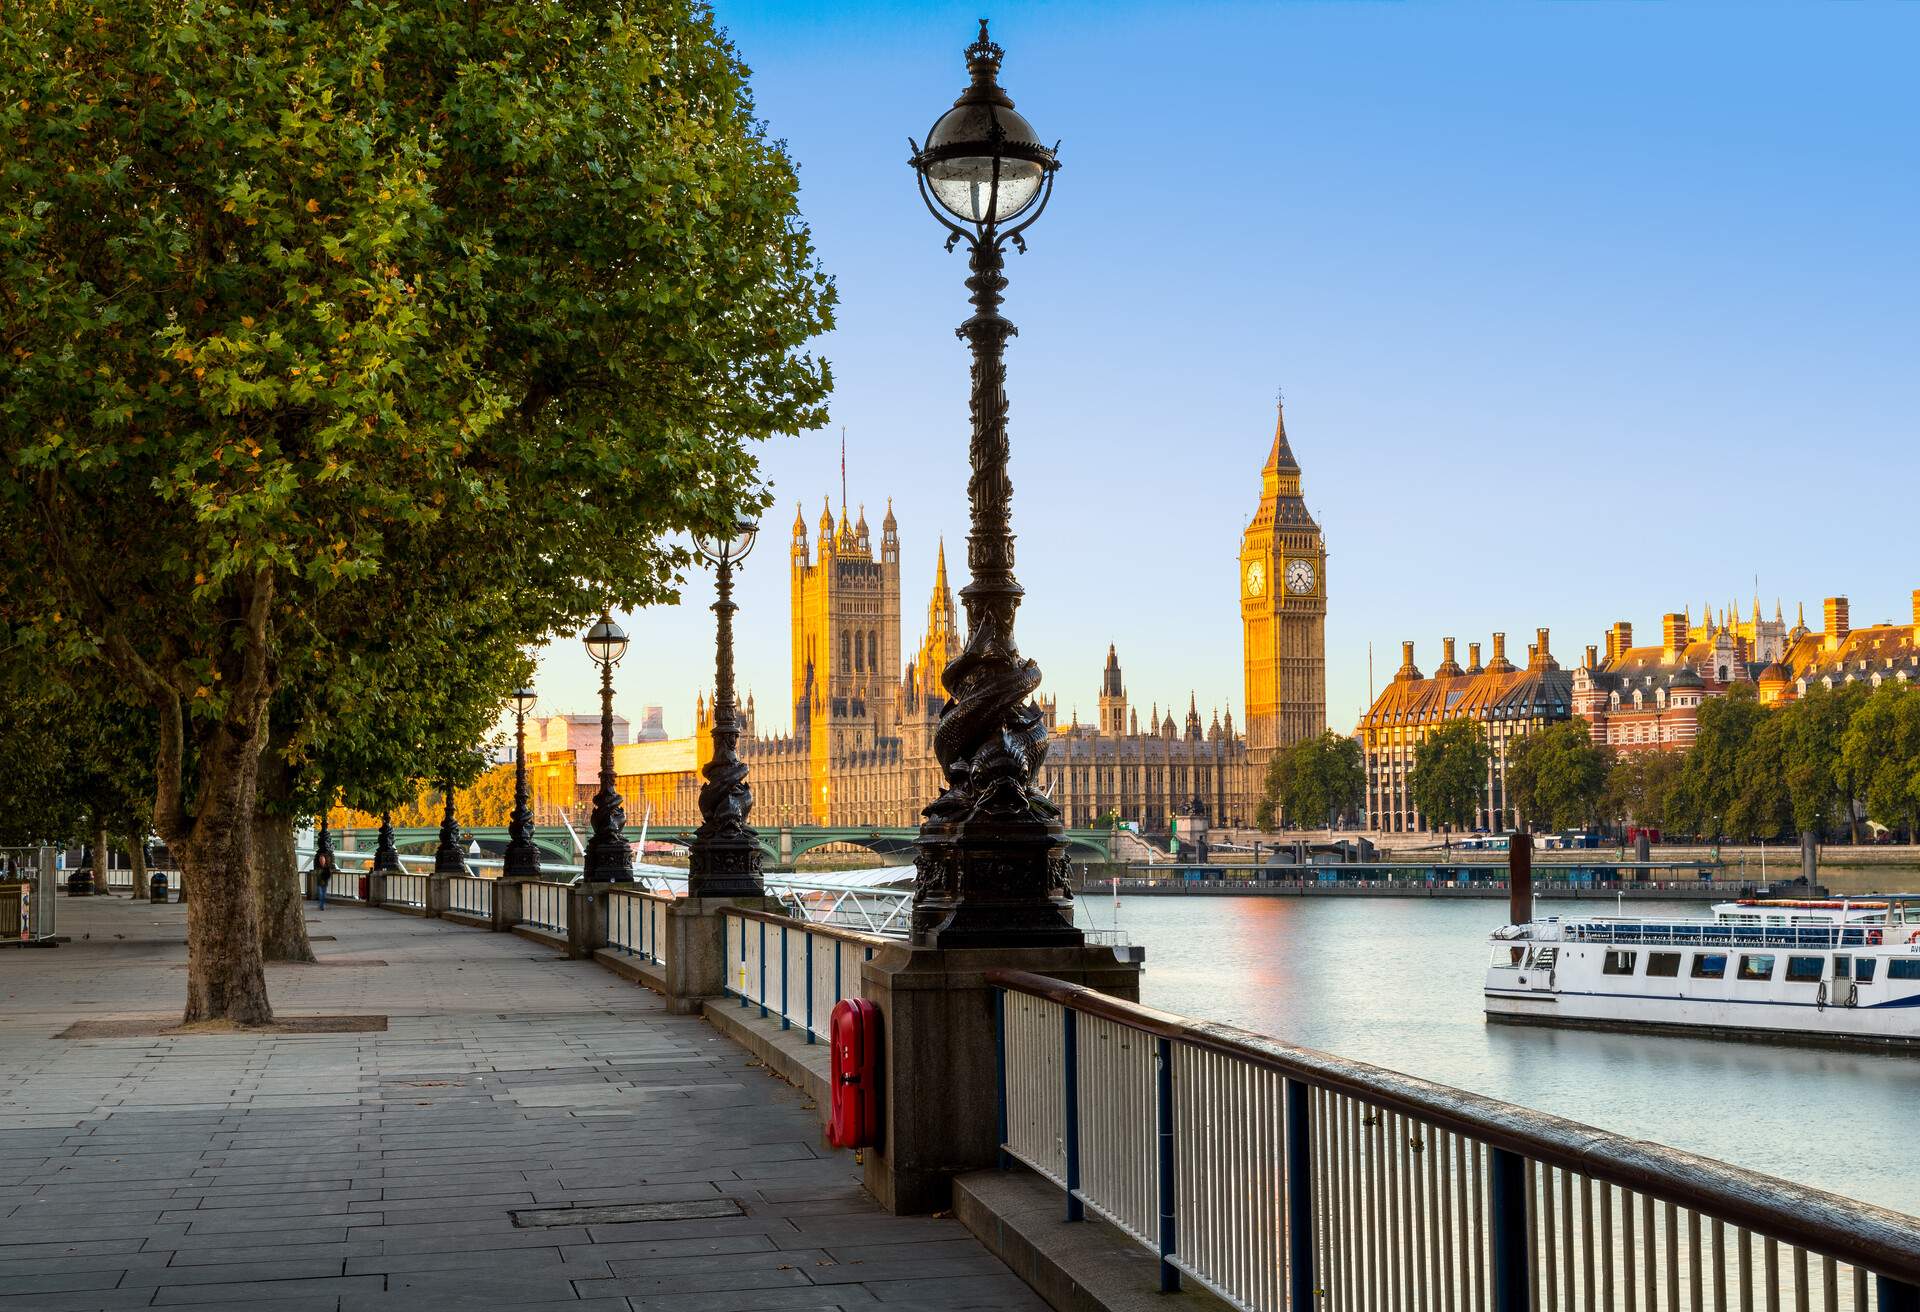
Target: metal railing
{"points": [[1283, 1178], [544, 905], [637, 923], [405, 890], [792, 969], [470, 896], [1730, 934]]}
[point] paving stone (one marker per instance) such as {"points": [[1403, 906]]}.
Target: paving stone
{"points": [[378, 1169]]}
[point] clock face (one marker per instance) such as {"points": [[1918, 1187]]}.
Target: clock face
{"points": [[1256, 578], [1300, 577]]}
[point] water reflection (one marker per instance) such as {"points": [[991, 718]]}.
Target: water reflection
{"points": [[1397, 982]]}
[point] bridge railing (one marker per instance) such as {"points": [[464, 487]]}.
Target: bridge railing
{"points": [[637, 923], [471, 896], [793, 969], [1284, 1178], [543, 905]]}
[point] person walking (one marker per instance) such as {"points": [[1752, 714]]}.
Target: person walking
{"points": [[322, 874]]}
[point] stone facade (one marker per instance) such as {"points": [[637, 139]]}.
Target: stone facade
{"points": [[1508, 701]]}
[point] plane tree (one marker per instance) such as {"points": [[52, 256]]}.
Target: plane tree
{"points": [[288, 291]]}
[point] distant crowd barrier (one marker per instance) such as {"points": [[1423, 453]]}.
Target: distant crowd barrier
{"points": [[1287, 1179]]}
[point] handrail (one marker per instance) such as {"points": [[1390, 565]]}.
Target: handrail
{"points": [[1878, 1238], [814, 927]]}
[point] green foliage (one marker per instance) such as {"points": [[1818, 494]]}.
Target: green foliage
{"points": [[1314, 782], [1557, 776], [1640, 788], [73, 762], [1881, 751], [344, 351], [1819, 780], [1449, 774]]}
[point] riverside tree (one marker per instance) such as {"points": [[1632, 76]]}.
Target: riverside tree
{"points": [[288, 291], [1557, 776], [1315, 781], [1449, 774]]}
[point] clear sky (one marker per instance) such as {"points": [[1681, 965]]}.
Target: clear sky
{"points": [[1583, 313]]}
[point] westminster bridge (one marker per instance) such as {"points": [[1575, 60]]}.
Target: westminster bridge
{"points": [[780, 847]]}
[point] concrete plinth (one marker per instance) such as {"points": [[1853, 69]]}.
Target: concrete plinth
{"points": [[696, 952], [506, 905], [940, 1101]]}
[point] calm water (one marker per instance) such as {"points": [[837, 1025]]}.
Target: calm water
{"points": [[1396, 982]]}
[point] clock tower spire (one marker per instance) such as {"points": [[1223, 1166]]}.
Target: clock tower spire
{"points": [[1283, 611]]}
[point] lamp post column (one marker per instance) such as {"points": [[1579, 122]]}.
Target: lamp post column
{"points": [[725, 856], [385, 855], [448, 858], [609, 859], [522, 859]]}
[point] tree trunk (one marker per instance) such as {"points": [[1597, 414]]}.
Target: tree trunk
{"points": [[102, 857], [276, 866], [137, 859], [226, 979]]}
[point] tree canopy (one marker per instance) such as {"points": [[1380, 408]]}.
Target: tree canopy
{"points": [[322, 325], [1557, 777]]}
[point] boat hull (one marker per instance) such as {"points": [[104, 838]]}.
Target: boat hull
{"points": [[1783, 1023]]}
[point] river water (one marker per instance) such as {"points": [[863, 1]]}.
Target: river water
{"points": [[1396, 982]]}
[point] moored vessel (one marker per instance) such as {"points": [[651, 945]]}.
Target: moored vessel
{"points": [[1838, 970]]}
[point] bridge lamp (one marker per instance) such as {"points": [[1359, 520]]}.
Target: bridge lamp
{"points": [[609, 859], [724, 858], [522, 859], [992, 861]]}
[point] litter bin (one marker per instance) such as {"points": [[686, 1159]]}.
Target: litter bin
{"points": [[80, 882], [157, 887], [363, 888]]}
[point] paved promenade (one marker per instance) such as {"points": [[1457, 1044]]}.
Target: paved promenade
{"points": [[382, 1169]]}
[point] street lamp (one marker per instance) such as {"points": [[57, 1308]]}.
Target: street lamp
{"points": [[724, 860], [449, 858], [609, 859], [522, 860], [992, 862]]}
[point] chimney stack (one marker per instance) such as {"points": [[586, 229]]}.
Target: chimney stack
{"points": [[1837, 626], [1619, 640], [1446, 644], [1499, 664], [1916, 614], [1473, 656], [1593, 657], [1673, 634], [1408, 670]]}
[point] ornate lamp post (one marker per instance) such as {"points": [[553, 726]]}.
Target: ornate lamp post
{"points": [[323, 837], [609, 859], [725, 856], [992, 864], [385, 855], [449, 858], [522, 860]]}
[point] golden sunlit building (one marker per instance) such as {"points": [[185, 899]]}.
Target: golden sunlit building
{"points": [[1283, 612]]}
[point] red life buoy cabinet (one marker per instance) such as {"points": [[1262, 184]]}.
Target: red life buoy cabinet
{"points": [[853, 1119]]}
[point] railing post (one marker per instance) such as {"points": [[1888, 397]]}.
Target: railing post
{"points": [[784, 1008], [809, 943], [1163, 1120], [1070, 1088], [1896, 1295], [999, 1070], [763, 968], [1511, 1286], [1300, 1296]]}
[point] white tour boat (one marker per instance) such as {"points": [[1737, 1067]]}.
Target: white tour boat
{"points": [[1843, 970]]}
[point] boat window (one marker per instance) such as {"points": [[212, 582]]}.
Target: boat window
{"points": [[1843, 967], [1757, 966], [1804, 970], [1665, 965], [1863, 970], [1905, 968], [1709, 965], [1618, 963], [1507, 955]]}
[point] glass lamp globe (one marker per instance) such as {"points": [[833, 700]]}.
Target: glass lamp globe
{"points": [[606, 641], [729, 548], [523, 700], [983, 161]]}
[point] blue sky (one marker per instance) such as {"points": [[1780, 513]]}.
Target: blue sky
{"points": [[1583, 313]]}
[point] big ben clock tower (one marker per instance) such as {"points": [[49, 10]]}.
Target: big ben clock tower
{"points": [[1283, 613]]}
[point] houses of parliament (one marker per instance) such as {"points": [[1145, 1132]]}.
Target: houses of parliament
{"points": [[861, 748]]}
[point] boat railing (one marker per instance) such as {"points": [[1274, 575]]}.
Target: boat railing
{"points": [[1725, 935]]}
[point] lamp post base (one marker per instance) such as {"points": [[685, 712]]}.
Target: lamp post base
{"points": [[993, 886], [724, 868]]}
